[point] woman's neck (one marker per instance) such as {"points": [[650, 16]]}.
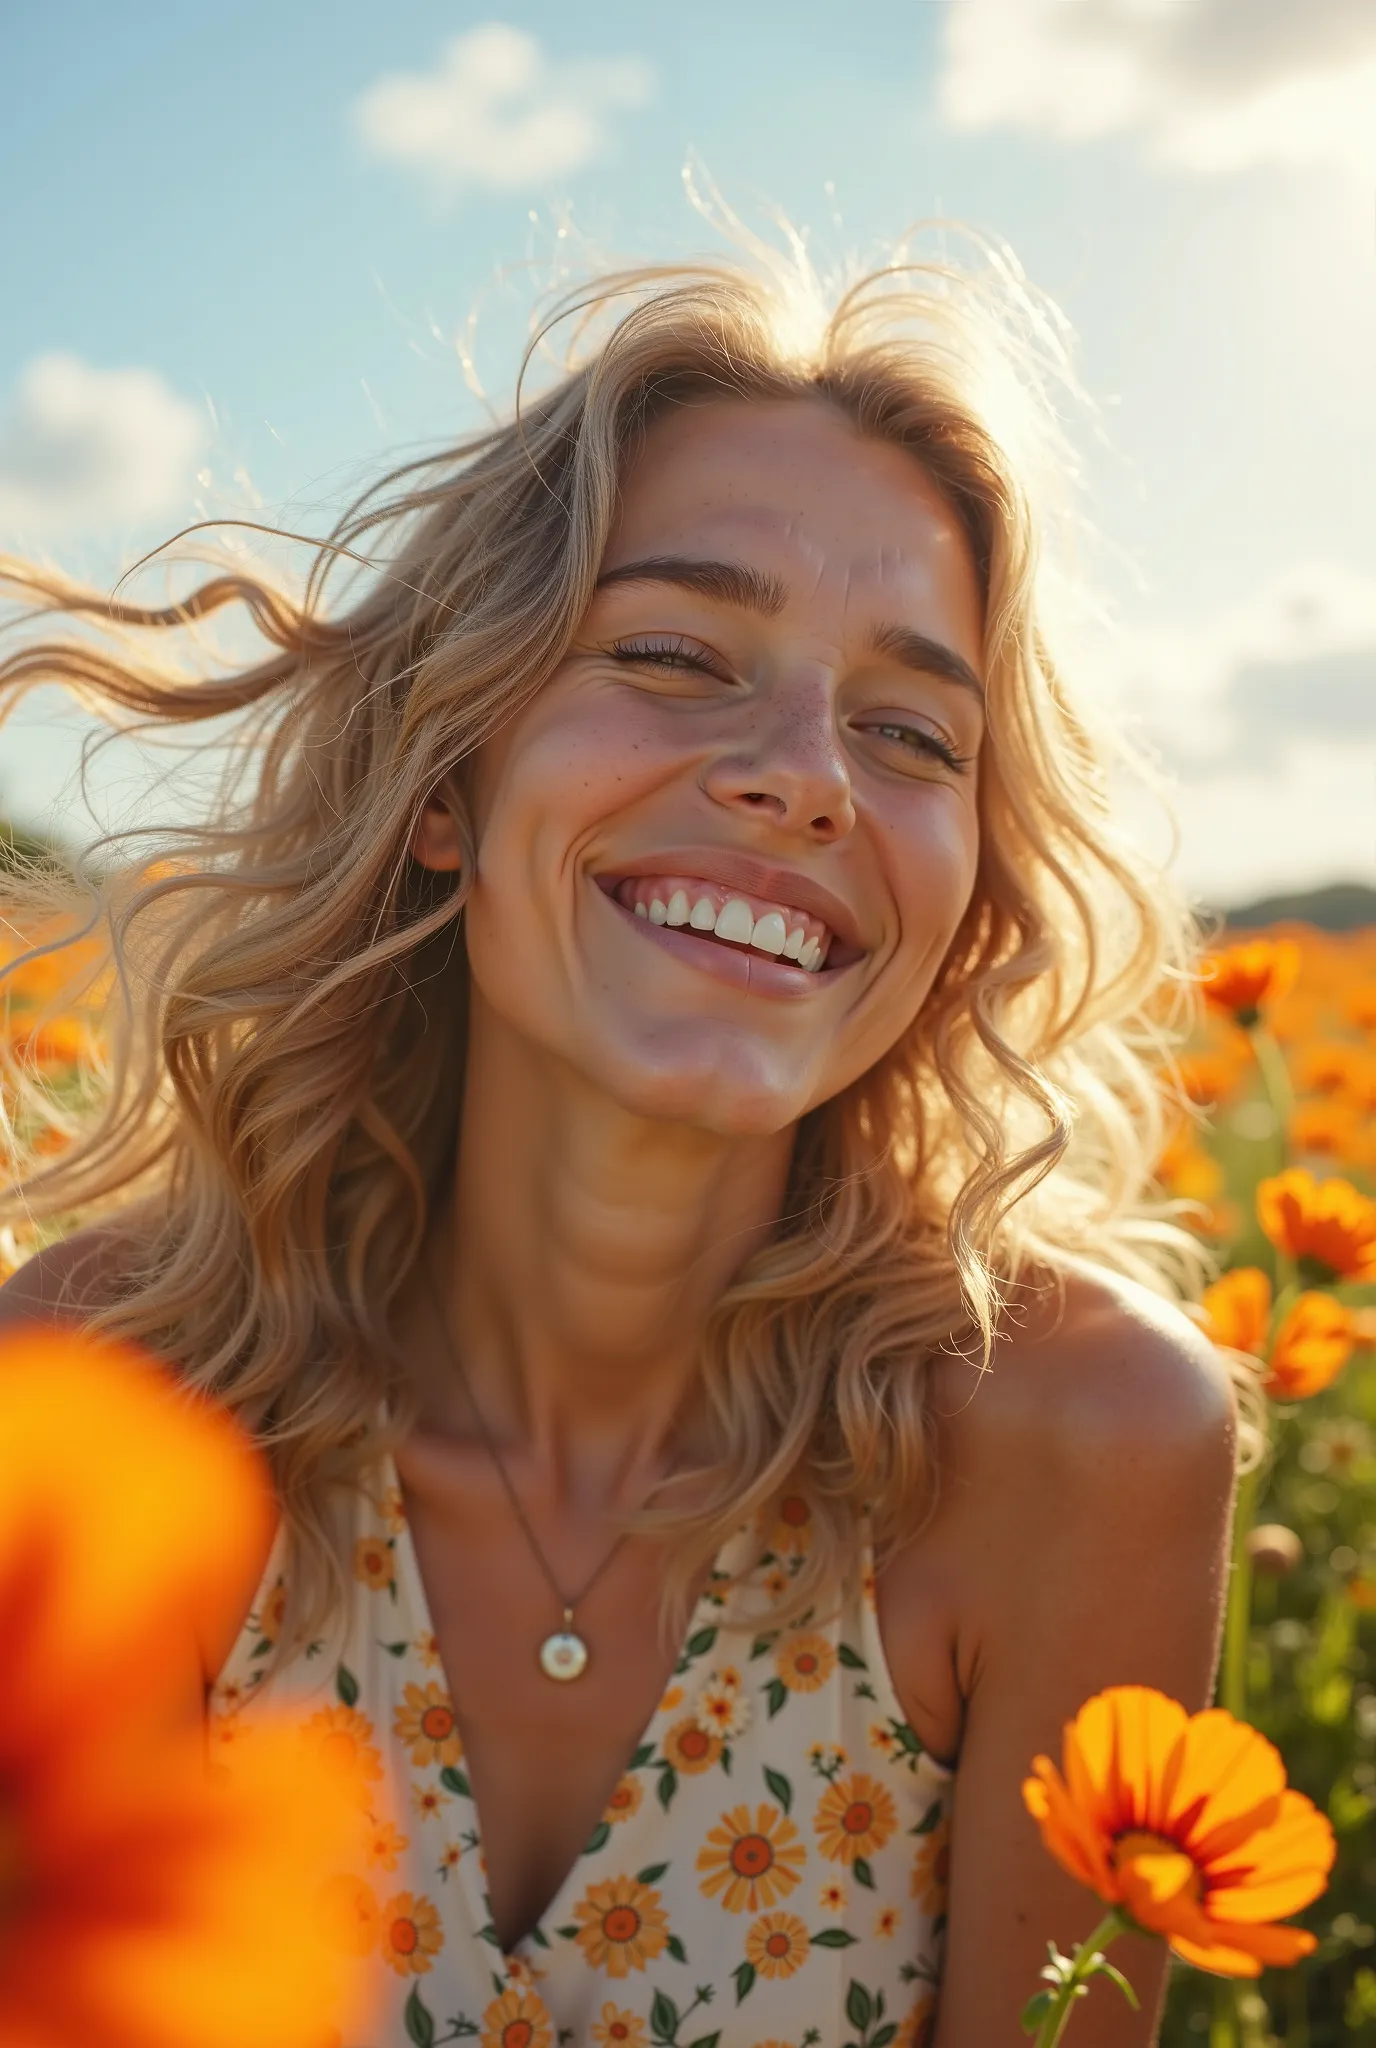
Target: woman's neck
{"points": [[578, 1262]]}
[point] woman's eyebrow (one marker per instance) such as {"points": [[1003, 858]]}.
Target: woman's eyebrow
{"points": [[728, 582], [753, 590]]}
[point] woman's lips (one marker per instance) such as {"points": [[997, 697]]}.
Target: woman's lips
{"points": [[738, 966]]}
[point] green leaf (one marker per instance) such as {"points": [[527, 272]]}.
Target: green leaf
{"points": [[762, 1645], [834, 1937], [1100, 1968], [930, 1819], [776, 1692], [537, 1934], [1036, 2010], [862, 1873], [420, 2026], [394, 1649], [454, 1781], [598, 1839], [641, 1757], [676, 1949], [569, 1933], [852, 1659], [346, 1685], [651, 1874], [668, 1785], [882, 2036], [261, 1647], [780, 1787], [859, 2006], [663, 2016], [706, 2040], [700, 1643], [745, 1980]]}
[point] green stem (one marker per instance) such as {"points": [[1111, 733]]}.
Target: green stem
{"points": [[1297, 2010], [1232, 1677], [1223, 2026], [1275, 1082], [1057, 2018]]}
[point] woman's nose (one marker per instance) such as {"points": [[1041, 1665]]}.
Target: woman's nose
{"points": [[789, 765]]}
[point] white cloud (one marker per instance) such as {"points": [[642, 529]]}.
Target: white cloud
{"points": [[498, 111], [1264, 715], [1209, 85], [81, 448]]}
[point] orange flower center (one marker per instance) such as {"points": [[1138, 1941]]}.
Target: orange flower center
{"points": [[794, 1510], [751, 1856], [693, 1744], [805, 1662], [621, 1796], [1139, 1844], [621, 1924], [777, 1945], [858, 1818], [340, 1747], [437, 1723], [618, 2031], [405, 1939], [518, 2034]]}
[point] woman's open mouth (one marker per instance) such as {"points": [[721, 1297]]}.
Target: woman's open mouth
{"points": [[771, 946]]}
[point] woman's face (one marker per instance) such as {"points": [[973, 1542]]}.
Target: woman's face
{"points": [[721, 855]]}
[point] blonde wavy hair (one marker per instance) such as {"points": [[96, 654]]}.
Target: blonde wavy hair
{"points": [[270, 1126]]}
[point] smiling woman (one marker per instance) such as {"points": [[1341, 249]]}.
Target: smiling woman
{"points": [[669, 1015]]}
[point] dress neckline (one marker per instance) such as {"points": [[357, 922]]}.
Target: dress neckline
{"points": [[471, 1867]]}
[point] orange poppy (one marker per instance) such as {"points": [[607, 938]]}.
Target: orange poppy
{"points": [[1208, 1078], [1359, 1005], [1241, 980], [1331, 1127], [1186, 1822], [163, 1888], [1313, 1344], [1327, 1067], [1328, 1226], [1237, 1310]]}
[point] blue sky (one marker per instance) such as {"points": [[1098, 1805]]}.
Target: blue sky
{"points": [[220, 266]]}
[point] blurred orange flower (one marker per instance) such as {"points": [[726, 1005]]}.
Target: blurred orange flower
{"points": [[1332, 1128], [1359, 1005], [63, 1042], [1241, 980], [1186, 1822], [1313, 1344], [1237, 1309], [1328, 1226], [145, 1902], [1327, 1067], [1209, 1077]]}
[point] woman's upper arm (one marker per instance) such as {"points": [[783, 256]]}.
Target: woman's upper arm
{"points": [[1106, 1472]]}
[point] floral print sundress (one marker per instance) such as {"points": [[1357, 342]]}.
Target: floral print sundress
{"points": [[770, 1871]]}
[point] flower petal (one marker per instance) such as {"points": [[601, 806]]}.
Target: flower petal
{"points": [[1227, 1783], [1068, 1833], [1283, 1868]]}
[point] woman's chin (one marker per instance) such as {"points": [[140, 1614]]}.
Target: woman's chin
{"points": [[714, 1080]]}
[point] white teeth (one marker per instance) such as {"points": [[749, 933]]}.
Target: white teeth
{"points": [[641, 911], [770, 932], [794, 943], [678, 907], [703, 916], [811, 956], [659, 913], [735, 922]]}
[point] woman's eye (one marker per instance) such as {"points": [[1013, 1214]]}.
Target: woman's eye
{"points": [[918, 740], [672, 655]]}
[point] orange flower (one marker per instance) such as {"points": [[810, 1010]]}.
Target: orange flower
{"points": [[518, 2019], [62, 1042], [425, 1719], [805, 1662], [1237, 1310], [346, 1736], [1328, 1226], [1240, 980], [384, 1845], [689, 1747], [1186, 1822], [792, 1534], [625, 1800], [1209, 1078], [777, 1944], [854, 1817], [617, 2028], [932, 1869], [1332, 1128], [411, 1934], [1313, 1344], [1328, 1067], [373, 1563], [751, 1862], [1359, 1005], [622, 1925], [149, 1902]]}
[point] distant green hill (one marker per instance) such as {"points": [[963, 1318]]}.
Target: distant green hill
{"points": [[1338, 907]]}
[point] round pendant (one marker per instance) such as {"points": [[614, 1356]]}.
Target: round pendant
{"points": [[563, 1655]]}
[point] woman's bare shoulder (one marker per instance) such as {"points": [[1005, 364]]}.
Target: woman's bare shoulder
{"points": [[1098, 1361], [66, 1281]]}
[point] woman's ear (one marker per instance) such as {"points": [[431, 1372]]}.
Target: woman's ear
{"points": [[436, 842]]}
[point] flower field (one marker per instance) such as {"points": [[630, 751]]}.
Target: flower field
{"points": [[1275, 1157]]}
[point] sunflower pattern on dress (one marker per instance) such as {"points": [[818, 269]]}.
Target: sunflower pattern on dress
{"points": [[770, 1871]]}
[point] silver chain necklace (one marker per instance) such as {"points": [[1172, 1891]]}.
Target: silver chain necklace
{"points": [[563, 1654]]}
